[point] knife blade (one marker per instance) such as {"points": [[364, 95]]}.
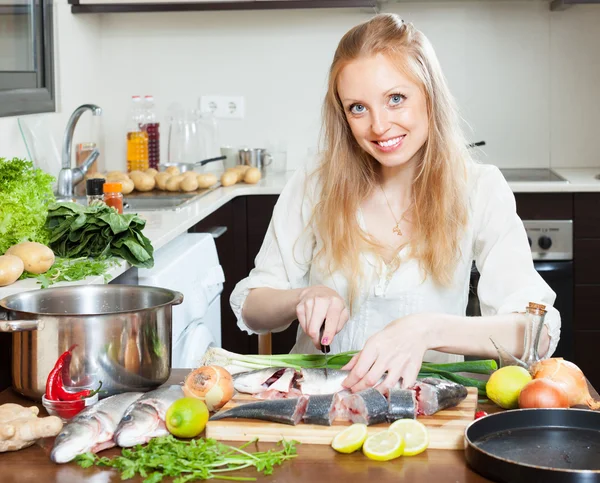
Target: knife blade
{"points": [[325, 350]]}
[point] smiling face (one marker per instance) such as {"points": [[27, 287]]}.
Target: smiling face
{"points": [[386, 110]]}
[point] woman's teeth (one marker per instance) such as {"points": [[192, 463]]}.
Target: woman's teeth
{"points": [[390, 142]]}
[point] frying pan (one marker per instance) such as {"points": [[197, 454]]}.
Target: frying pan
{"points": [[536, 445], [183, 167]]}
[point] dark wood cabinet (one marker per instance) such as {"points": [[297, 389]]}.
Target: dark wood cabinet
{"points": [[228, 225]]}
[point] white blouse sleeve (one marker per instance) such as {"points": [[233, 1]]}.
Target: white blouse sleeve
{"points": [[508, 279], [283, 261]]}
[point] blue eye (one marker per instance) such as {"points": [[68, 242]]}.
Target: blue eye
{"points": [[357, 108], [396, 99]]}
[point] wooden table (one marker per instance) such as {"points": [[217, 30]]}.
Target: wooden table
{"points": [[314, 463]]}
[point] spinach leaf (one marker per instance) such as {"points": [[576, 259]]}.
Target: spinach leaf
{"points": [[98, 231]]}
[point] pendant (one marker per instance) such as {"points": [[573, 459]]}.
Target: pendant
{"points": [[397, 230]]}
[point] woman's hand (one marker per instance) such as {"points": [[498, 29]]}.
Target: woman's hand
{"points": [[318, 305], [398, 350]]}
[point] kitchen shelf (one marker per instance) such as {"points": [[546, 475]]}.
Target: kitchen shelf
{"points": [[114, 7]]}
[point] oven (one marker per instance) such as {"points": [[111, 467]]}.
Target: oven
{"points": [[551, 245]]}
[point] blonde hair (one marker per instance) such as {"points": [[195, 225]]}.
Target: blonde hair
{"points": [[347, 174]]}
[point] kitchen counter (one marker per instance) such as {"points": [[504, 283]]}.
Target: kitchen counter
{"points": [[164, 226], [314, 463]]}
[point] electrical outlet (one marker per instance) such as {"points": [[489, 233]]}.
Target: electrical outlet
{"points": [[223, 107]]}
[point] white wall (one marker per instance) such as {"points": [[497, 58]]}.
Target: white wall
{"points": [[525, 78]]}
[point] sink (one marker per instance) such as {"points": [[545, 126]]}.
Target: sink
{"points": [[156, 201]]}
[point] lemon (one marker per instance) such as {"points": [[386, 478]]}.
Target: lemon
{"points": [[414, 433], [350, 439], [505, 384], [186, 417], [384, 446]]}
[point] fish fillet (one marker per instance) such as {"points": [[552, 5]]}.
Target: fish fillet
{"points": [[433, 395], [286, 411]]}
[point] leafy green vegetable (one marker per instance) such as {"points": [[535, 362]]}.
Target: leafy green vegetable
{"points": [[71, 270], [98, 231], [198, 459], [25, 192]]}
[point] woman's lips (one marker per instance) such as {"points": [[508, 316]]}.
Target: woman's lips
{"points": [[389, 145]]}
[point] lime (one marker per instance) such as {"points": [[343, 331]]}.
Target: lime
{"points": [[350, 439], [414, 433], [186, 417], [505, 384], [384, 446]]}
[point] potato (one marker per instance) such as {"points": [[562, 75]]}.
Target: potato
{"points": [[229, 178], [174, 183], [190, 174], [189, 183], [236, 172], [173, 170], [161, 180], [127, 186], [143, 181], [152, 172], [11, 268], [252, 176], [37, 258], [116, 176], [206, 180]]}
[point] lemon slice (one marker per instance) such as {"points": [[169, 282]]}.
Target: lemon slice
{"points": [[384, 446], [350, 439], [414, 433]]}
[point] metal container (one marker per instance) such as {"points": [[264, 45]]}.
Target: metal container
{"points": [[255, 157], [120, 334]]}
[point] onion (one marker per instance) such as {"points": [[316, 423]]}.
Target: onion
{"points": [[568, 376], [212, 384], [543, 393]]}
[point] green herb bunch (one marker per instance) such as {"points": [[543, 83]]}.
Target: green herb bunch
{"points": [[25, 192], [99, 232], [197, 459], [72, 270]]}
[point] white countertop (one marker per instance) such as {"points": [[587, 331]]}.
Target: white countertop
{"points": [[164, 226]]}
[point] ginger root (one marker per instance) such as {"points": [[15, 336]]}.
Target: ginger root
{"points": [[21, 427]]}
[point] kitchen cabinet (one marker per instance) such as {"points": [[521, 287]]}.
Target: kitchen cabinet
{"points": [[120, 6]]}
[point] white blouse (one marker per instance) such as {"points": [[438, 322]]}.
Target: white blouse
{"points": [[494, 237]]}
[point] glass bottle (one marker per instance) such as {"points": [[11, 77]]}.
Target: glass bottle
{"points": [[137, 138], [533, 331], [94, 191], [151, 126], [113, 196]]}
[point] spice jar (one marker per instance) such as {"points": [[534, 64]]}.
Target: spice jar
{"points": [[113, 196], [94, 191]]}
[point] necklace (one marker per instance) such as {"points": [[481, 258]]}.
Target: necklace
{"points": [[396, 228]]}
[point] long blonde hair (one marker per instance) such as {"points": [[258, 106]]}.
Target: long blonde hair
{"points": [[347, 174]]}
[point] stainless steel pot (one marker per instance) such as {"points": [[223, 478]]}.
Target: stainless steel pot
{"points": [[121, 334]]}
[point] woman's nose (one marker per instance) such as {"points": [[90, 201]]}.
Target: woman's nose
{"points": [[380, 123]]}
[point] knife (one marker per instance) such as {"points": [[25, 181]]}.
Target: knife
{"points": [[324, 349]]}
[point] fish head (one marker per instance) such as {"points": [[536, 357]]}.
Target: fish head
{"points": [[137, 426], [74, 439]]}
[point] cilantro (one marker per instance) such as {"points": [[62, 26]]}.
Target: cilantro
{"points": [[198, 459], [24, 195], [71, 270]]}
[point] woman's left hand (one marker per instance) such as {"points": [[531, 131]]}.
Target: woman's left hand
{"points": [[398, 349]]}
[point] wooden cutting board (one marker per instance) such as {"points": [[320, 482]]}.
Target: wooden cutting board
{"points": [[446, 428]]}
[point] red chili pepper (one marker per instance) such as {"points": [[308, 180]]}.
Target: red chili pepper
{"points": [[480, 414], [54, 381], [72, 410]]}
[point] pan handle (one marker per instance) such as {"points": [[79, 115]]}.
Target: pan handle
{"points": [[20, 325], [210, 160]]}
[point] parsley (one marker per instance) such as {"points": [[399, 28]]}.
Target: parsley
{"points": [[71, 270], [198, 459], [24, 195]]}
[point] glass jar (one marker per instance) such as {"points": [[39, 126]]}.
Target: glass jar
{"points": [[113, 196], [94, 191], [533, 331]]}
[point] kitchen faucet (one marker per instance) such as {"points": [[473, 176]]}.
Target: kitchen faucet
{"points": [[69, 177]]}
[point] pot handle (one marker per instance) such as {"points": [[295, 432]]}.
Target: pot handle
{"points": [[178, 298], [20, 325]]}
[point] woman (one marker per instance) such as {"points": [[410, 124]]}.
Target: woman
{"points": [[372, 249]]}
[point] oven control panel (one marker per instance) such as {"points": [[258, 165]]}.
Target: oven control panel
{"points": [[550, 239]]}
